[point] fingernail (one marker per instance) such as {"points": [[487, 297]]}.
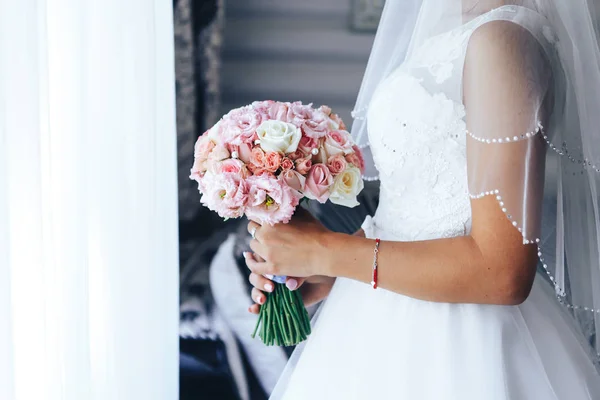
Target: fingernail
{"points": [[246, 254], [259, 300], [268, 287], [291, 284], [269, 276]]}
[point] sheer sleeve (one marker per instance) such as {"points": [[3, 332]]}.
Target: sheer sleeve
{"points": [[505, 90]]}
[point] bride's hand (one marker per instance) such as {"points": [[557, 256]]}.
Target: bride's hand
{"points": [[313, 289], [299, 248]]}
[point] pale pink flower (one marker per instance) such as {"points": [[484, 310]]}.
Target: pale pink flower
{"points": [[356, 158], [303, 165], [227, 194], [218, 153], [307, 144], [272, 161], [262, 107], [296, 155], [293, 179], [257, 157], [325, 110], [232, 166], [198, 169], [271, 200], [337, 142], [336, 164], [239, 126], [244, 151], [203, 146], [279, 111], [317, 126], [287, 164], [298, 113], [318, 181], [321, 157]]}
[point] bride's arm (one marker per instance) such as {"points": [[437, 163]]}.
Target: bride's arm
{"points": [[489, 266]]}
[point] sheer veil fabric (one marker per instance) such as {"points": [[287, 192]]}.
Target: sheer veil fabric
{"points": [[543, 117]]}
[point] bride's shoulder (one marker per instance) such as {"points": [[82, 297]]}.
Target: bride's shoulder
{"points": [[503, 45], [502, 36]]}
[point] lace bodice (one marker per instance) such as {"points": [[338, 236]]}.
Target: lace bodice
{"points": [[418, 140]]}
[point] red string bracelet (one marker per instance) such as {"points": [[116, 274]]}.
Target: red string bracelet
{"points": [[375, 262]]}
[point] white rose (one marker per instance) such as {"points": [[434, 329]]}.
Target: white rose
{"points": [[278, 136], [346, 186]]}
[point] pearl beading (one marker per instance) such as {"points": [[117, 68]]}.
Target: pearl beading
{"points": [[560, 292], [562, 151], [523, 136]]}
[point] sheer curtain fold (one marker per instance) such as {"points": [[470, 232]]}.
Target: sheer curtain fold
{"points": [[88, 212]]}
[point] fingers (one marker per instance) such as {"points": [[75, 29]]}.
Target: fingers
{"points": [[253, 228], [258, 267], [254, 309], [258, 297], [261, 283], [293, 283]]}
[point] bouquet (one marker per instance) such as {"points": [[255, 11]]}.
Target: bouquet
{"points": [[261, 160]]}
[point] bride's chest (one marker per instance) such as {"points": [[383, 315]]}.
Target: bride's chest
{"points": [[412, 131], [418, 141]]}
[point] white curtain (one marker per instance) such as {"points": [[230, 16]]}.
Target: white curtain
{"points": [[88, 211]]}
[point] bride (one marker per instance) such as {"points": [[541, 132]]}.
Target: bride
{"points": [[479, 275]]}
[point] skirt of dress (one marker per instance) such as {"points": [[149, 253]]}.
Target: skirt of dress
{"points": [[376, 344]]}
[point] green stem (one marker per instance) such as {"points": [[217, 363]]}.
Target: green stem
{"points": [[289, 305], [303, 313], [260, 315], [279, 316]]}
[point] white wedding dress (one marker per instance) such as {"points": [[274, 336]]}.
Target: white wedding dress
{"points": [[376, 344]]}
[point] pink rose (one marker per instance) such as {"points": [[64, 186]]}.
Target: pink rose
{"points": [[318, 181], [239, 126], [218, 153], [299, 113], [279, 111], [294, 180], [272, 161], [227, 194], [303, 165], [257, 157], [337, 142], [317, 126], [357, 158], [287, 164], [307, 143], [244, 151], [271, 200], [336, 164], [296, 155], [232, 166], [203, 146]]}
